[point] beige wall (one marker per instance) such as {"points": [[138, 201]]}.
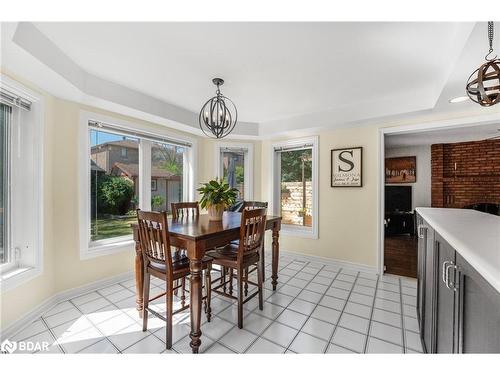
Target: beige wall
{"points": [[347, 216]]}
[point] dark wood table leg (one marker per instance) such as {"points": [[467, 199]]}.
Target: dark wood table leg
{"points": [[139, 276], [276, 253], [195, 295]]}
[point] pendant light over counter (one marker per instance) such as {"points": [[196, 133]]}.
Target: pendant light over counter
{"points": [[483, 85]]}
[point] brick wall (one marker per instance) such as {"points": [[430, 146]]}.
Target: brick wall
{"points": [[465, 173]]}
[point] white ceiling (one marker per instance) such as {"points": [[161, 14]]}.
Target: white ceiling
{"points": [[282, 76], [461, 134]]}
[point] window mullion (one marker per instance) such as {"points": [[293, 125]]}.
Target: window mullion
{"points": [[145, 174]]}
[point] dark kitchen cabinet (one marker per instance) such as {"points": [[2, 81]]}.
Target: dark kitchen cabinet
{"points": [[478, 311], [458, 310], [445, 306]]}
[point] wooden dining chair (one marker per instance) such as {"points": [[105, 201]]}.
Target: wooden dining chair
{"points": [[182, 210], [250, 205], [238, 257], [159, 261], [185, 209]]}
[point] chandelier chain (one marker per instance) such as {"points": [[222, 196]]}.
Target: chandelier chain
{"points": [[490, 34]]}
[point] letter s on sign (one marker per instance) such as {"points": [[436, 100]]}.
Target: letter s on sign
{"points": [[347, 161]]}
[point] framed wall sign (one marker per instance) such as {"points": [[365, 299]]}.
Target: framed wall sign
{"points": [[347, 167], [401, 170]]}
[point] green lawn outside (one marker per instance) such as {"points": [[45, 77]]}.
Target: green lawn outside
{"points": [[108, 228]]}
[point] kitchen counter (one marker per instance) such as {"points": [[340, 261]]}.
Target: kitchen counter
{"points": [[473, 234]]}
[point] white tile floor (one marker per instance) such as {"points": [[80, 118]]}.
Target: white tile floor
{"points": [[317, 308]]}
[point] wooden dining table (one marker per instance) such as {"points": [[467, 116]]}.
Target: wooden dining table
{"points": [[197, 235]]}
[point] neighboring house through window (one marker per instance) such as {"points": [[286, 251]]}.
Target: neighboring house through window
{"points": [[150, 174]]}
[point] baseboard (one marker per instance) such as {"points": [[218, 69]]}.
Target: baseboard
{"points": [[46, 305], [331, 261]]}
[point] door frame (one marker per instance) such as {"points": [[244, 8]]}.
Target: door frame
{"points": [[454, 123]]}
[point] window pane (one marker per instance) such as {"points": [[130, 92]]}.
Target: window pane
{"points": [[5, 113], [166, 175], [296, 187], [233, 170], [114, 181]]}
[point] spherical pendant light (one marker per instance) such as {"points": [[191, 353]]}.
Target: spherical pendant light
{"points": [[218, 116], [483, 85]]}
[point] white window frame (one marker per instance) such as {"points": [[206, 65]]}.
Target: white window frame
{"points": [[275, 187], [28, 182], [90, 249], [248, 166]]}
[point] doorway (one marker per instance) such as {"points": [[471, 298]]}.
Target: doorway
{"points": [[400, 195]]}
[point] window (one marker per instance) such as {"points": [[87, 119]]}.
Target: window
{"points": [[167, 170], [21, 204], [235, 166], [5, 115], [156, 171], [114, 185], [294, 176]]}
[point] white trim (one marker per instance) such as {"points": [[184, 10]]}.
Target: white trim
{"points": [[37, 116], [249, 164], [414, 128], [145, 174], [65, 295], [328, 261], [274, 193], [105, 247]]}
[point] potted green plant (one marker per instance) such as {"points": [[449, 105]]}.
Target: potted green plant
{"points": [[215, 196]]}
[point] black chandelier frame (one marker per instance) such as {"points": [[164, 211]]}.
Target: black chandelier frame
{"points": [[216, 118]]}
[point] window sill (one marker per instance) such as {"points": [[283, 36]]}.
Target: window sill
{"points": [[290, 230], [101, 248], [17, 276]]}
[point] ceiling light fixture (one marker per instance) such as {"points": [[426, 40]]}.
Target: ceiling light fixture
{"points": [[483, 85], [459, 99], [219, 115]]}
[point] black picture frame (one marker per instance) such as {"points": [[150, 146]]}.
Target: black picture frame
{"points": [[332, 153]]}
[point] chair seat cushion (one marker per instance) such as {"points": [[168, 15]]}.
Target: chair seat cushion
{"points": [[228, 256], [180, 265]]}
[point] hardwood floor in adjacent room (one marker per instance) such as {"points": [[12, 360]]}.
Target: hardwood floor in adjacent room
{"points": [[400, 255]]}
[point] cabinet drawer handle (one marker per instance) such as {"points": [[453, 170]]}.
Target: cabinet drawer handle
{"points": [[451, 285], [447, 282], [443, 273], [419, 230]]}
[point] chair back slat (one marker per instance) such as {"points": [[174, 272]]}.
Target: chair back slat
{"points": [[154, 238], [252, 229], [185, 209]]}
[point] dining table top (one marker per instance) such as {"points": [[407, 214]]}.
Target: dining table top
{"points": [[200, 227]]}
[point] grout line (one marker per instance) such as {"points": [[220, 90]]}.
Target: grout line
{"points": [[402, 317], [52, 334], [342, 312], [371, 317]]}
